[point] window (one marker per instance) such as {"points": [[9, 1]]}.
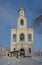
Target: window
{"points": [[14, 37], [29, 37], [22, 22], [22, 37], [29, 50], [14, 49]]}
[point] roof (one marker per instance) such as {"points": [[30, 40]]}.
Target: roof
{"points": [[13, 51], [21, 9]]}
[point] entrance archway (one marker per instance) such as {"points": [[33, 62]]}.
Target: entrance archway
{"points": [[22, 52]]}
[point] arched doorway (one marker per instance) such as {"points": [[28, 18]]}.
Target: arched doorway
{"points": [[22, 52]]}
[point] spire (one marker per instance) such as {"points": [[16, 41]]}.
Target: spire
{"points": [[21, 9]]}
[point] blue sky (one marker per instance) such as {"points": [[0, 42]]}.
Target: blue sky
{"points": [[9, 15]]}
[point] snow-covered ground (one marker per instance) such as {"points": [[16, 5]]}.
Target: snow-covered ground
{"points": [[20, 61], [9, 61], [37, 58]]}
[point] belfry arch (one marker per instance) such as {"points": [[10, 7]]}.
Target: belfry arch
{"points": [[22, 37]]}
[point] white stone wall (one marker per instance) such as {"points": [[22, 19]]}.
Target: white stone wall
{"points": [[18, 44]]}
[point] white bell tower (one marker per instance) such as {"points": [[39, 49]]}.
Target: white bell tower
{"points": [[22, 39], [22, 22]]}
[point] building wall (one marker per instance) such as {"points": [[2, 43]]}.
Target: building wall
{"points": [[2, 51], [37, 53], [25, 45]]}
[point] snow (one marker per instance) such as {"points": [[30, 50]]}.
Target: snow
{"points": [[37, 58], [9, 61]]}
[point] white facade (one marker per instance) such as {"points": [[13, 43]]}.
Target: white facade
{"points": [[22, 37]]}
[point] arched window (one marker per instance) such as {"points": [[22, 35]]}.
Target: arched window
{"points": [[22, 37], [14, 37], [21, 22], [29, 37]]}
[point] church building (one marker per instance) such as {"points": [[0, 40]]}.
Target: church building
{"points": [[22, 38]]}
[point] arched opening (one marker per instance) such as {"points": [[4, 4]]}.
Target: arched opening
{"points": [[29, 37], [21, 22], [22, 37], [14, 37], [22, 52], [29, 50]]}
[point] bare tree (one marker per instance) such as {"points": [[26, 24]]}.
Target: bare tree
{"points": [[37, 22]]}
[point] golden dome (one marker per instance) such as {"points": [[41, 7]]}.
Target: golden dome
{"points": [[21, 9]]}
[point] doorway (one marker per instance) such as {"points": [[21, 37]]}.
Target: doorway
{"points": [[22, 52]]}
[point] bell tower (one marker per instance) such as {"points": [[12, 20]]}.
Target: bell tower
{"points": [[22, 22], [22, 37]]}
